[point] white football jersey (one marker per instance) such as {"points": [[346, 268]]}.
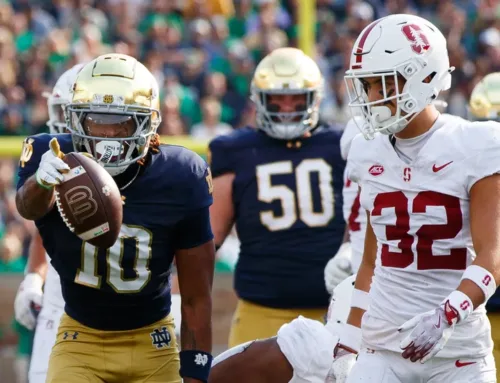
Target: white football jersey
{"points": [[52, 294], [354, 214], [420, 215]]}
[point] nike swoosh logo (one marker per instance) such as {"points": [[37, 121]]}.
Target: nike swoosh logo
{"points": [[438, 325], [462, 364], [435, 168]]}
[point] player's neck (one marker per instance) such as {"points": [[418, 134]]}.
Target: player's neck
{"points": [[421, 124]]}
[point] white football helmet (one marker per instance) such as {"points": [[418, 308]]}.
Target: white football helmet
{"points": [[400, 47], [340, 305], [59, 97]]}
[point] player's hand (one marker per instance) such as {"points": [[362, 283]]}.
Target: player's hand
{"points": [[339, 267], [429, 333], [28, 299], [342, 364], [52, 167]]}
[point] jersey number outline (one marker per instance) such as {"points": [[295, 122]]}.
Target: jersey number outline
{"points": [[88, 276], [299, 203], [426, 234]]}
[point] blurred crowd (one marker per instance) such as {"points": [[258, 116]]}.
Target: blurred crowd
{"points": [[203, 54]]}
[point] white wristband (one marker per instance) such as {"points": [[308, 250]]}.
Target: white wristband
{"points": [[351, 337], [360, 299], [483, 278], [461, 303]]}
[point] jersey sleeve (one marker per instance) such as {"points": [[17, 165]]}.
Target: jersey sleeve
{"points": [[308, 347], [220, 155], [31, 153], [193, 228], [198, 187], [353, 161], [350, 131], [483, 139]]}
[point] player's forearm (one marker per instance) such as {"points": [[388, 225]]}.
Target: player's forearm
{"points": [[363, 283], [37, 261], [33, 201], [365, 274], [196, 326]]}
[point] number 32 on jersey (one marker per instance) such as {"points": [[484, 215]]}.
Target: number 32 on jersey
{"points": [[296, 203]]}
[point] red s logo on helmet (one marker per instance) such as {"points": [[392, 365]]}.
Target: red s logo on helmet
{"points": [[420, 43]]}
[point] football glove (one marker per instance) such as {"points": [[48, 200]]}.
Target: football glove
{"points": [[28, 300], [52, 167], [430, 332], [339, 267], [341, 367]]}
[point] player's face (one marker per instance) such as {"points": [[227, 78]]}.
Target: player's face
{"points": [[109, 125], [378, 88], [287, 103]]}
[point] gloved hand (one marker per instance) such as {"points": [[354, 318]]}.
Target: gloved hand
{"points": [[28, 300], [430, 332], [341, 367], [52, 167], [339, 267]]}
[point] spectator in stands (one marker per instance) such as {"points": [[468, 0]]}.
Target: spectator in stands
{"points": [[211, 125]]}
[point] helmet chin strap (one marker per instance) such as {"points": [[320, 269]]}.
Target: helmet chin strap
{"points": [[382, 119]]}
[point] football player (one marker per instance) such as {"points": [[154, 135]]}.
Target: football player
{"points": [[484, 104], [431, 189], [281, 184], [39, 273], [348, 258], [302, 352], [116, 326]]}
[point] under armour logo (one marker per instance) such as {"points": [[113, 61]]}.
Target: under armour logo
{"points": [[68, 334], [201, 359], [160, 337]]}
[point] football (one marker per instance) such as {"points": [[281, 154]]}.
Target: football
{"points": [[89, 201]]}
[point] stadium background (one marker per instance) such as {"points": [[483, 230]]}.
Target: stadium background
{"points": [[203, 53]]}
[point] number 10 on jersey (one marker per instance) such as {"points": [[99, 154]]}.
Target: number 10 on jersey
{"points": [[296, 203]]}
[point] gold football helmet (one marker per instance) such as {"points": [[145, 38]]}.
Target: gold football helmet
{"points": [[117, 96], [287, 71], [484, 103]]}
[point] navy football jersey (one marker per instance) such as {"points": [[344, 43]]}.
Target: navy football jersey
{"points": [[128, 285], [287, 198]]}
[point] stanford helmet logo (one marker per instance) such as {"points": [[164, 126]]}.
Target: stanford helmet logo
{"points": [[419, 42]]}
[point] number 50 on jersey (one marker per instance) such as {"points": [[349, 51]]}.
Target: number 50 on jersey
{"points": [[296, 196]]}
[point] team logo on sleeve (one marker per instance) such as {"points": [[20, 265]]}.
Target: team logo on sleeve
{"points": [[209, 181], [27, 151], [160, 337]]}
